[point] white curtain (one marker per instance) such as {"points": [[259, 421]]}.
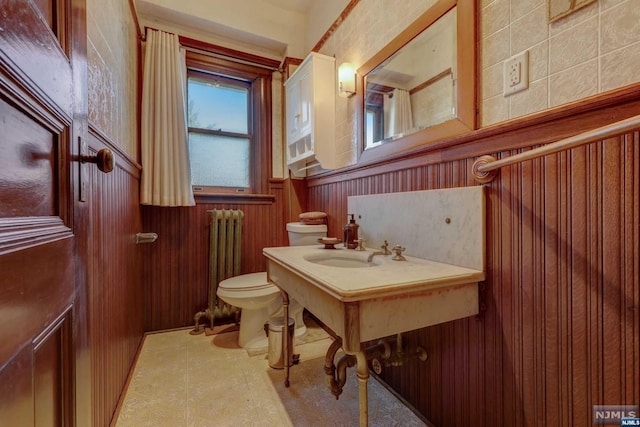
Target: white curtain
{"points": [[400, 112], [166, 174]]}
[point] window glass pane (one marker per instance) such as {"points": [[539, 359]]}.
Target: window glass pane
{"points": [[369, 128], [219, 161], [217, 105]]}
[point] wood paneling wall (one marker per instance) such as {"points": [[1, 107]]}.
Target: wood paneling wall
{"points": [[116, 300], [559, 329], [176, 266]]}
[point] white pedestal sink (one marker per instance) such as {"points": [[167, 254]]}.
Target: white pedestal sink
{"points": [[361, 301]]}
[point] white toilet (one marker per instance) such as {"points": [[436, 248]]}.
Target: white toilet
{"points": [[260, 300]]}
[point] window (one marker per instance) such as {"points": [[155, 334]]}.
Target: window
{"points": [[218, 117], [374, 123], [229, 123]]}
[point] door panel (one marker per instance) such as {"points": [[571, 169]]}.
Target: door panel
{"points": [[52, 386], [37, 243], [36, 286], [27, 166], [47, 11], [17, 390], [48, 381], [33, 56]]}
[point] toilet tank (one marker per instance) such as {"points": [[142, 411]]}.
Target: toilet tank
{"points": [[303, 234]]}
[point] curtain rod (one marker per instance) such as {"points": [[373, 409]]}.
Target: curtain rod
{"points": [[219, 55]]}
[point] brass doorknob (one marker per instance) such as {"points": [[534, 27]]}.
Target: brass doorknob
{"points": [[103, 158]]}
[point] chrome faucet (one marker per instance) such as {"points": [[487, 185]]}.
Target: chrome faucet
{"points": [[385, 251]]}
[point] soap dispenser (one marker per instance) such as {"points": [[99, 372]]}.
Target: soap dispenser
{"points": [[351, 233]]}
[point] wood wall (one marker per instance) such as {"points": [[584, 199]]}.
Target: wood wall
{"points": [[176, 267], [559, 329], [116, 299]]}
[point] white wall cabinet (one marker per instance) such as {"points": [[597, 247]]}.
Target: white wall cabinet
{"points": [[310, 115]]}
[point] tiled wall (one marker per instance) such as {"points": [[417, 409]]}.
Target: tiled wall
{"points": [[112, 71], [594, 50]]}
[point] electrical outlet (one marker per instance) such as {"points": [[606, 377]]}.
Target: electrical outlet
{"points": [[516, 73]]}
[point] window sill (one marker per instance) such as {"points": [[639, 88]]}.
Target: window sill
{"points": [[250, 199]]}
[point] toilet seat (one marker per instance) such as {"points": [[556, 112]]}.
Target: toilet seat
{"points": [[252, 285]]}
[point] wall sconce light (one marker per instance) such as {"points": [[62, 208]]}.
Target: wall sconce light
{"points": [[346, 80]]}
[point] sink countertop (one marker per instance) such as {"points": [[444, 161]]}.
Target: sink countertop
{"points": [[389, 278]]}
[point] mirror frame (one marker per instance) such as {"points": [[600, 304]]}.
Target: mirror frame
{"points": [[465, 121]]}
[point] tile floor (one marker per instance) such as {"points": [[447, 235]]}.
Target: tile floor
{"points": [[186, 380]]}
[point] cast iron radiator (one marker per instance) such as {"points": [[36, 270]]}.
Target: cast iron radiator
{"points": [[225, 244]]}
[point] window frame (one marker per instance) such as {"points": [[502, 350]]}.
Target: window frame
{"points": [[259, 81]]}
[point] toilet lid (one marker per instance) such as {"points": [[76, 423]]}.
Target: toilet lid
{"points": [[246, 282]]}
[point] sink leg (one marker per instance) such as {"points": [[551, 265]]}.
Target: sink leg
{"points": [[285, 336], [363, 377]]}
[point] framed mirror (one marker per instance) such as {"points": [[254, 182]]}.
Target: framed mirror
{"points": [[421, 87]]}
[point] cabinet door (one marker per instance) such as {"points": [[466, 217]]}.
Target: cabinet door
{"points": [[293, 111], [306, 101]]}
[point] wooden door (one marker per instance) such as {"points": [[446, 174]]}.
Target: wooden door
{"points": [[42, 91]]}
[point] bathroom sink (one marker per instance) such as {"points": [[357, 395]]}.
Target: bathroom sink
{"points": [[342, 259], [437, 283]]}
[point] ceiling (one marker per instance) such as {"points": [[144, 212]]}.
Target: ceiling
{"points": [[275, 30], [302, 6], [160, 17]]}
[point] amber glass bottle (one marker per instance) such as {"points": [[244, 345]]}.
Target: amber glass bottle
{"points": [[351, 233]]}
